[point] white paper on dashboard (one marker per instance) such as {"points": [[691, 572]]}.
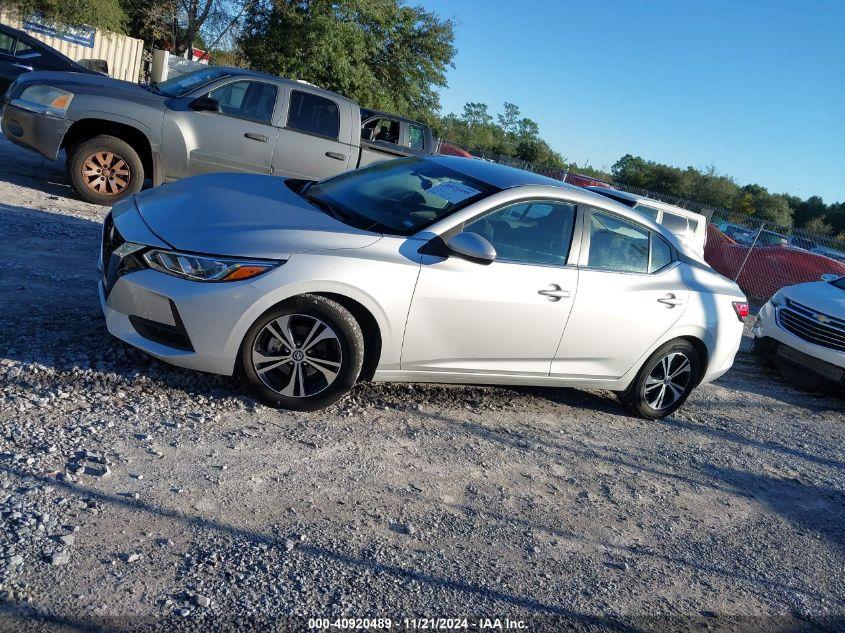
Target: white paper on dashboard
{"points": [[453, 192]]}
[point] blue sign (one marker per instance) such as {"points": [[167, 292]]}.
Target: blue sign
{"points": [[81, 35]]}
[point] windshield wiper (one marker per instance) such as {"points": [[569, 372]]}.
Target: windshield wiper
{"points": [[325, 206]]}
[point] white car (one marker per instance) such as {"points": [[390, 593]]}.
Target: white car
{"points": [[805, 326], [690, 227], [442, 269]]}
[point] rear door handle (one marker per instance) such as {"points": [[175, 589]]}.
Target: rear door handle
{"points": [[336, 155], [670, 300], [256, 137], [554, 293]]}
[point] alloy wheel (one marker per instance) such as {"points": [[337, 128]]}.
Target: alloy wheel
{"points": [[668, 381], [297, 355], [106, 173]]}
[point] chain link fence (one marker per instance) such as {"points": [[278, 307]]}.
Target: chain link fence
{"points": [[761, 257]]}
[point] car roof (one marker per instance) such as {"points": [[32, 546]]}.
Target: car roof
{"points": [[35, 43], [634, 197], [367, 113], [501, 176], [248, 72]]}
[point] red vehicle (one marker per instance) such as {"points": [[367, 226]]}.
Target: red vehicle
{"points": [[448, 149], [579, 180], [763, 270]]}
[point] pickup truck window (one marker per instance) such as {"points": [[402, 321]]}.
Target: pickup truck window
{"points": [[384, 130], [313, 114], [253, 100], [398, 197], [416, 137]]}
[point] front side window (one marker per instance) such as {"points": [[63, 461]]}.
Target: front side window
{"points": [[416, 137], [384, 130], [536, 232], [617, 245], [313, 114], [251, 100], [398, 197]]}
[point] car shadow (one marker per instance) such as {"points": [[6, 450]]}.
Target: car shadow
{"points": [[320, 554]]}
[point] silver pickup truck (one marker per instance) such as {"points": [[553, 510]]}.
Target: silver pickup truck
{"points": [[117, 134]]}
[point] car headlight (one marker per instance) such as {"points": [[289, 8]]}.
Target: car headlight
{"points": [[204, 268], [46, 99], [777, 299]]}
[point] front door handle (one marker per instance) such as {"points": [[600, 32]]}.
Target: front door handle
{"points": [[256, 137], [670, 300], [336, 155], [554, 293]]}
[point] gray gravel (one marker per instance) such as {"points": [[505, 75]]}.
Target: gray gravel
{"points": [[134, 495]]}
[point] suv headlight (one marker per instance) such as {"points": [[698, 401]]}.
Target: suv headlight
{"points": [[205, 268], [45, 99]]}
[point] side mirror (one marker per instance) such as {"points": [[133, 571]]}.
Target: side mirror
{"points": [[829, 277], [472, 247], [367, 134], [205, 104]]}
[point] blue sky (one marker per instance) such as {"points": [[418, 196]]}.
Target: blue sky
{"points": [[756, 88]]}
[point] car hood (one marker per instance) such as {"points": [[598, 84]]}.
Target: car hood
{"points": [[818, 295], [243, 215], [87, 82]]}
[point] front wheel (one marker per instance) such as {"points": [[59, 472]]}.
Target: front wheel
{"points": [[105, 169], [664, 382], [303, 355]]}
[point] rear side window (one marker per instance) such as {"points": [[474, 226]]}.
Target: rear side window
{"points": [[617, 245], [313, 114], [675, 223], [416, 137], [661, 254], [22, 49], [384, 130]]}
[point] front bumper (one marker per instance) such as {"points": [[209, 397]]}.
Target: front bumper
{"points": [[193, 325], [772, 340], [39, 132]]}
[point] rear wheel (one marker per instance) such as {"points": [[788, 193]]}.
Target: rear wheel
{"points": [[105, 169], [304, 355], [664, 382]]}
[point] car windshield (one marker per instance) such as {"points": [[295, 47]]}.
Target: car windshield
{"points": [[398, 196], [183, 84]]}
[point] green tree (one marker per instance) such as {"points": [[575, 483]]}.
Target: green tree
{"points": [[382, 53], [106, 15], [819, 225]]}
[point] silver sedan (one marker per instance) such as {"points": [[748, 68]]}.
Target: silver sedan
{"points": [[444, 270]]}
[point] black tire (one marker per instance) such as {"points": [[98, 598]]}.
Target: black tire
{"points": [[641, 403], [315, 362], [89, 156]]}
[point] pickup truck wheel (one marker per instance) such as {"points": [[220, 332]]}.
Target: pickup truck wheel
{"points": [[105, 169]]}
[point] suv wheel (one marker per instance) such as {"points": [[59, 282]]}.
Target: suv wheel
{"points": [[105, 169], [304, 355], [664, 382]]}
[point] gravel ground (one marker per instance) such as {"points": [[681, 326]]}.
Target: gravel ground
{"points": [[139, 496]]}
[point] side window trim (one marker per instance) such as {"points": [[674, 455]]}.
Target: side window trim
{"points": [[583, 261], [289, 99], [237, 80], [575, 243]]}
